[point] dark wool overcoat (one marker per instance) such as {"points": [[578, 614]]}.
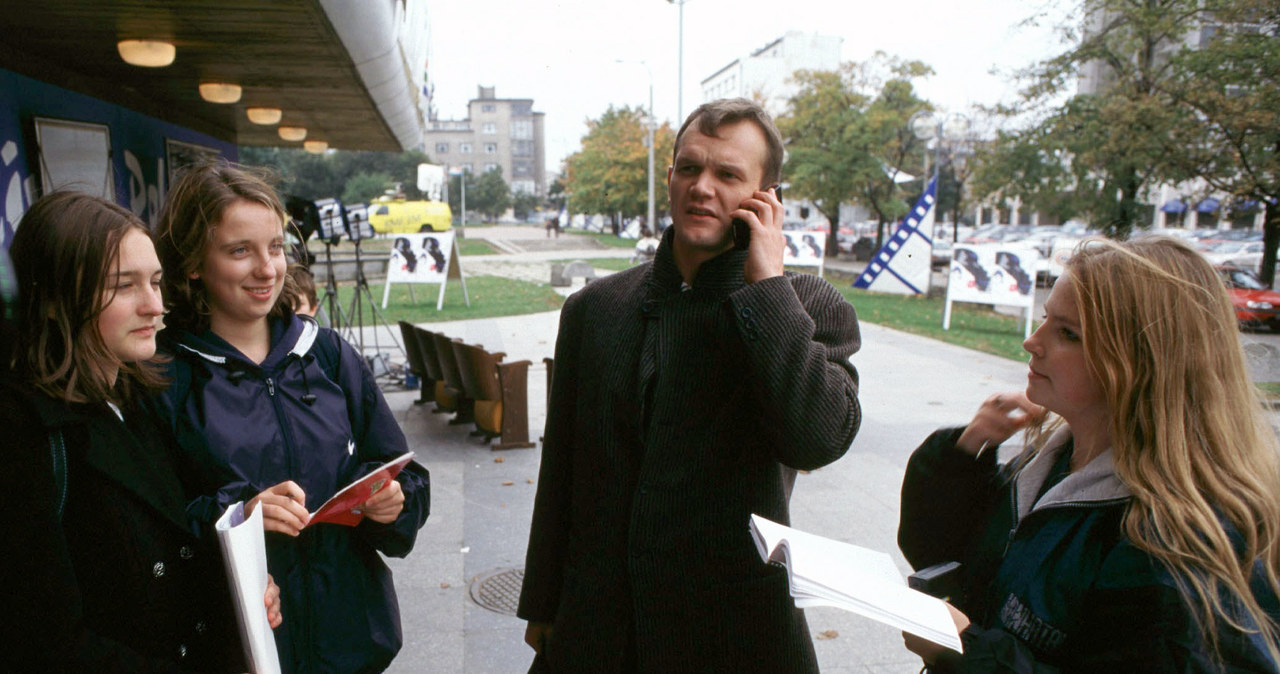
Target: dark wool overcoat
{"points": [[116, 581], [674, 415]]}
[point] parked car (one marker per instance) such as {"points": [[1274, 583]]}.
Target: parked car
{"points": [[1242, 254], [1256, 304]]}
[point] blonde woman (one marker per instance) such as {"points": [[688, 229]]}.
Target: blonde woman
{"points": [[1138, 530]]}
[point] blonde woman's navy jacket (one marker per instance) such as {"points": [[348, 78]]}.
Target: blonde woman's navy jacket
{"points": [[249, 426], [1052, 584]]}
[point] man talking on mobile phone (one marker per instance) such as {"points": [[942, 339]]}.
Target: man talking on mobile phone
{"points": [[687, 392]]}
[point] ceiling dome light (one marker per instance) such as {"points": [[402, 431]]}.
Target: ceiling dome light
{"points": [[264, 115], [146, 53], [315, 146], [293, 133], [220, 92]]}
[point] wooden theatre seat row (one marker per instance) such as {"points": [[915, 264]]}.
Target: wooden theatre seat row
{"points": [[473, 384]]}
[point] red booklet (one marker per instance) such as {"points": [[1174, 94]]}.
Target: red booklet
{"points": [[344, 507]]}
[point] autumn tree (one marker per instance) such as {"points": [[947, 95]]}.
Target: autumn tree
{"points": [[848, 138], [610, 174]]}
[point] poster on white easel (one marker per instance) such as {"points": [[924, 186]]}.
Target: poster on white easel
{"points": [[995, 274], [425, 258]]}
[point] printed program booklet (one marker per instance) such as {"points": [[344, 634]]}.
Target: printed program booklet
{"points": [[826, 572], [344, 507]]}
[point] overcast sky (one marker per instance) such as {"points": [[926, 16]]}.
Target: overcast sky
{"points": [[563, 53]]}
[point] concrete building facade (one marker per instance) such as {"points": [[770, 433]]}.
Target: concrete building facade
{"points": [[765, 73], [502, 133]]}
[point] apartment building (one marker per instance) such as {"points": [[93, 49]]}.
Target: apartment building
{"points": [[503, 133]]}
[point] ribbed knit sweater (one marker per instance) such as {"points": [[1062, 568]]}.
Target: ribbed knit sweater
{"points": [[674, 415]]}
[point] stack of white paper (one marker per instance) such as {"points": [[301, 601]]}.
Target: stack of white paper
{"points": [[244, 551], [826, 572]]}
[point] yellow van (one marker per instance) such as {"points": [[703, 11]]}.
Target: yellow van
{"points": [[408, 217]]}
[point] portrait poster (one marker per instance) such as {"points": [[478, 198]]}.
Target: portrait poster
{"points": [[424, 258], [805, 249], [995, 274]]}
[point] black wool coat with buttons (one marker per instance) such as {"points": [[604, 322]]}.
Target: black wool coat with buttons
{"points": [[117, 582], [674, 415]]}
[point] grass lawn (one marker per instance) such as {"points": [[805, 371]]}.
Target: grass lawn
{"points": [[609, 263], [972, 325], [475, 247], [606, 238], [491, 296]]}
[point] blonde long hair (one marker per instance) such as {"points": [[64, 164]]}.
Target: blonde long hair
{"points": [[1188, 430]]}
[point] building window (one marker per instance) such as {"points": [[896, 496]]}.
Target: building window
{"points": [[489, 127], [464, 148], [521, 148], [489, 167], [522, 129], [491, 148], [487, 107], [526, 186], [442, 148], [467, 168]]}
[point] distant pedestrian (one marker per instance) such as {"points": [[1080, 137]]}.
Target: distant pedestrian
{"points": [[553, 225]]}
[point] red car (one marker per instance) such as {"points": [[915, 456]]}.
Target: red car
{"points": [[1256, 304]]}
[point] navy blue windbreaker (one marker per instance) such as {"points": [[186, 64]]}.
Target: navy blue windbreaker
{"points": [[246, 427]]}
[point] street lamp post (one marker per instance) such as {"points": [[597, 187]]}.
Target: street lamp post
{"points": [[680, 65], [929, 126], [650, 124]]}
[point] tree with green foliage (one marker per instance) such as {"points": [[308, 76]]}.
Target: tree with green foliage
{"points": [[609, 175], [848, 138], [321, 176], [1097, 154], [491, 196], [456, 194], [523, 204], [1226, 97], [365, 187]]}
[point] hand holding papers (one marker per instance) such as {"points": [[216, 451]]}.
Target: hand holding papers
{"points": [[825, 572], [244, 552], [344, 507]]}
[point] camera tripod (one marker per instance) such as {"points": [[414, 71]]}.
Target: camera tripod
{"points": [[354, 329], [338, 319]]}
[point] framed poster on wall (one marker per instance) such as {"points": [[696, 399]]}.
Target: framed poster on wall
{"points": [[180, 154], [74, 156]]}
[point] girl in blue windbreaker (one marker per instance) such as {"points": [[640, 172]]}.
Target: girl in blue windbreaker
{"points": [[281, 414]]}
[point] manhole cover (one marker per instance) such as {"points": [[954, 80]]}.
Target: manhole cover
{"points": [[498, 590]]}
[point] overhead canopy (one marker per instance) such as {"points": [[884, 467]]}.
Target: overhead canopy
{"points": [[1174, 206], [332, 66], [1208, 205]]}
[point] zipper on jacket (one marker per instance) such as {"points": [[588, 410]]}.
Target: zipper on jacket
{"points": [[1075, 505]]}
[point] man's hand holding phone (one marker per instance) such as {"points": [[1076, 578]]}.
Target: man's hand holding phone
{"points": [[762, 214]]}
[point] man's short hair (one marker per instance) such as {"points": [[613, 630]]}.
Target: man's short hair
{"points": [[711, 116]]}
